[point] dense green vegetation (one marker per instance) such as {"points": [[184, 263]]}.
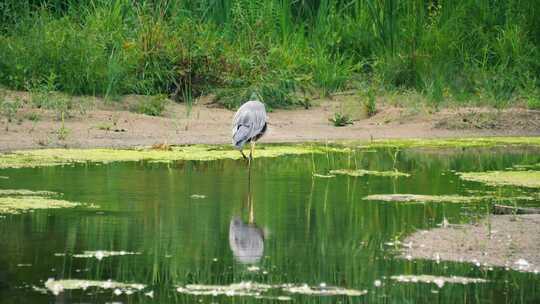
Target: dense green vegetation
{"points": [[473, 51]]}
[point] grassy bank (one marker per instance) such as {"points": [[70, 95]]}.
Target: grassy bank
{"points": [[474, 51]]}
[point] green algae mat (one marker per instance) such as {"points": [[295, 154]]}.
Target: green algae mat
{"points": [[310, 223], [512, 178], [54, 157]]}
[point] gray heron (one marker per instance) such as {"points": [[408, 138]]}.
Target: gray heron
{"points": [[249, 124]]}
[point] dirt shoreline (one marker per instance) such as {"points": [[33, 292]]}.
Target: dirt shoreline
{"points": [[514, 243], [105, 125]]}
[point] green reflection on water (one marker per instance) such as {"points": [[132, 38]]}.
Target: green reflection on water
{"points": [[204, 223]]}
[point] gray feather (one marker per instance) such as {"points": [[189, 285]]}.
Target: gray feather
{"points": [[249, 123]]}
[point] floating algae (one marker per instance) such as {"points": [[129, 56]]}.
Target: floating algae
{"points": [[258, 290], [530, 179], [419, 198], [55, 157], [24, 265], [439, 281], [526, 167], [323, 175], [236, 289], [361, 172], [99, 254], [323, 290], [278, 298], [18, 205], [17, 192], [4, 177], [446, 143], [58, 286], [198, 196]]}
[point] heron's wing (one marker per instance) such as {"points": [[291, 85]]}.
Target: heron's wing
{"points": [[241, 136], [258, 122]]}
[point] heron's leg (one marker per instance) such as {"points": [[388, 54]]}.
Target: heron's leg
{"points": [[243, 155], [252, 149]]}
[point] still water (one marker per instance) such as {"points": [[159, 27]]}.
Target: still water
{"points": [[214, 223]]}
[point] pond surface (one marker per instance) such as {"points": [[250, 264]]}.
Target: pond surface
{"points": [[279, 233]]}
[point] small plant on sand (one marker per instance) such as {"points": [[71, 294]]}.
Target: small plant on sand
{"points": [[62, 132], [104, 126], [340, 120], [9, 109], [370, 103], [153, 106], [61, 106], [32, 116], [42, 91], [44, 96]]}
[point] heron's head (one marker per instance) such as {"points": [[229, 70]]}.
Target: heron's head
{"points": [[255, 96]]}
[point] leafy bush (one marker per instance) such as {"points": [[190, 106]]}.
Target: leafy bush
{"points": [[153, 106], [533, 102], [274, 93]]}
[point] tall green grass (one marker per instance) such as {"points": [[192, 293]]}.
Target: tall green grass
{"points": [[467, 51]]}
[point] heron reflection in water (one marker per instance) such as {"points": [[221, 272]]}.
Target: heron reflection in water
{"points": [[246, 239]]}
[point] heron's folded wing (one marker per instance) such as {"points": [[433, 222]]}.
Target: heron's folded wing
{"points": [[258, 123], [241, 136]]}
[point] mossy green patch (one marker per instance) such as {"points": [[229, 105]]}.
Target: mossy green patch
{"points": [[445, 143], [420, 198], [17, 205], [529, 179], [54, 157], [361, 172]]}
